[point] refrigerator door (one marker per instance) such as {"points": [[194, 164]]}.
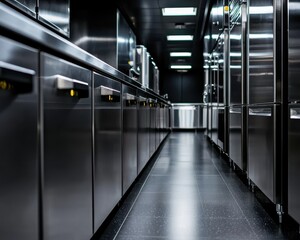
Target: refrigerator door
{"points": [[261, 149], [108, 154], [143, 131], [67, 116], [293, 52], [235, 135], [129, 141], [261, 54], [19, 166], [293, 162]]}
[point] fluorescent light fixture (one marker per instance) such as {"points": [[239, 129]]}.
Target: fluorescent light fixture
{"points": [[184, 11], [181, 66], [180, 37], [180, 54]]}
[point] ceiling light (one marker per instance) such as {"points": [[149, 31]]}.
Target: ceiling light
{"points": [[180, 54], [180, 37], [181, 66], [184, 11]]}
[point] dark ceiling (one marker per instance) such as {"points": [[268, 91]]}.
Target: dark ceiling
{"points": [[151, 29]]}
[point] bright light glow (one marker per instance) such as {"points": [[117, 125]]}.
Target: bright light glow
{"points": [[217, 11], [180, 54], [235, 67], [235, 54], [235, 36], [180, 37], [181, 66], [260, 36], [261, 10], [184, 11]]}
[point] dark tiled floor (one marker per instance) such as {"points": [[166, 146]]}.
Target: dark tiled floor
{"points": [[189, 192]]}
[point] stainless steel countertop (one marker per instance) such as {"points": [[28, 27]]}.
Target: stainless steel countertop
{"points": [[13, 23]]}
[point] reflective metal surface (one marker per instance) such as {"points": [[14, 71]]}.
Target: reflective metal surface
{"points": [[293, 162], [214, 124], [261, 149], [55, 13], [235, 88], [293, 52], [142, 65], [129, 140], [67, 151], [152, 129], [261, 44], [221, 126], [185, 116], [19, 166], [27, 6], [143, 131], [108, 157], [235, 135]]}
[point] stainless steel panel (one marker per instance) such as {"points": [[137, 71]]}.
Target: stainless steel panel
{"points": [[157, 126], [261, 149], [107, 160], [235, 135], [27, 6], [214, 124], [235, 88], [55, 13], [67, 150], [18, 141], [203, 111], [129, 142], [94, 30], [221, 129], [293, 52], [293, 162], [143, 132], [142, 65], [209, 122], [126, 46], [261, 53], [152, 129], [185, 116]]}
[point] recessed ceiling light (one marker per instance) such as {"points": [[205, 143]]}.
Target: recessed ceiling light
{"points": [[184, 11], [180, 37], [181, 66], [180, 54]]}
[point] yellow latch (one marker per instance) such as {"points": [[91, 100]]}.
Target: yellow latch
{"points": [[226, 8]]}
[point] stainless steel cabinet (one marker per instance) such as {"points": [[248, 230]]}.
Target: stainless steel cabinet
{"points": [[293, 162], [18, 141], [235, 135], [214, 124], [67, 114], [107, 156], [143, 154], [129, 141], [261, 146], [152, 135]]}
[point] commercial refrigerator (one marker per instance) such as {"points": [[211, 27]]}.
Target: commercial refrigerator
{"points": [[238, 85], [143, 142], [294, 110], [129, 138], [107, 146], [19, 141], [264, 103], [67, 151]]}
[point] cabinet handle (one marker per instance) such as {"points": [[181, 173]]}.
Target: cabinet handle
{"points": [[295, 113], [72, 87], [109, 94], [264, 112], [15, 78]]}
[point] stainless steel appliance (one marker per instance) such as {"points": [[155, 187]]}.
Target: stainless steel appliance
{"points": [[152, 130], [142, 63], [143, 142], [107, 147], [19, 141], [56, 14], [26, 6], [184, 116], [67, 121], [294, 110], [129, 139], [264, 102]]}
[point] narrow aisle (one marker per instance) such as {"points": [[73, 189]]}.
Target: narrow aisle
{"points": [[191, 193]]}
